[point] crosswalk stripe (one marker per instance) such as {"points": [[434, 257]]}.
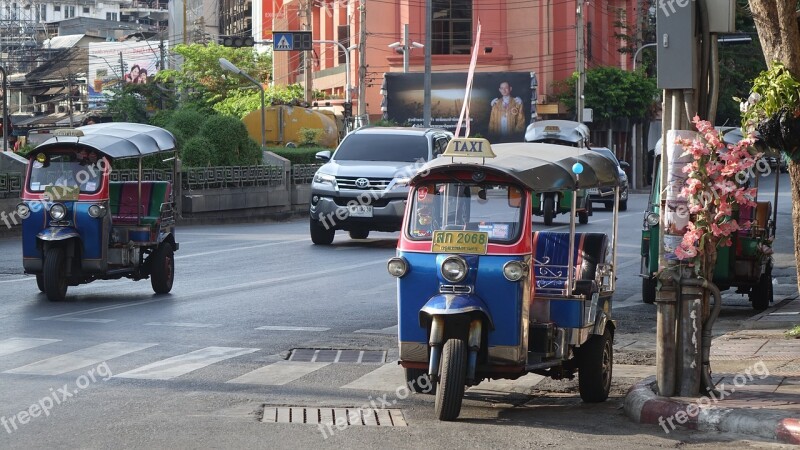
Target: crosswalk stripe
{"points": [[392, 330], [182, 364], [279, 373], [388, 377], [84, 320], [14, 345], [183, 324], [289, 328], [81, 358]]}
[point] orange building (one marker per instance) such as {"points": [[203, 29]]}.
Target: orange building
{"points": [[516, 36]]}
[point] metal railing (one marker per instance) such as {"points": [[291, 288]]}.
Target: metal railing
{"points": [[10, 184], [304, 173]]}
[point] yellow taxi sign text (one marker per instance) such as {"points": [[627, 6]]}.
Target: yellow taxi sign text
{"points": [[470, 147], [70, 132], [552, 129]]}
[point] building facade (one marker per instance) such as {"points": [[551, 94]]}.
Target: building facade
{"points": [[516, 36]]}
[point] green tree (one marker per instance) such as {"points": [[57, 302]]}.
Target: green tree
{"points": [[240, 102], [612, 93], [127, 105], [202, 78]]}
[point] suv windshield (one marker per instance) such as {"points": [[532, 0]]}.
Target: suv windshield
{"points": [[493, 208], [383, 147]]}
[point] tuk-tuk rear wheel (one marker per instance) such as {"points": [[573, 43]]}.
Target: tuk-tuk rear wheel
{"points": [[649, 289], [761, 294], [162, 269], [452, 379], [595, 366], [55, 274]]}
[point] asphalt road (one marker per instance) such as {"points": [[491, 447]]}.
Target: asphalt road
{"points": [[198, 368]]}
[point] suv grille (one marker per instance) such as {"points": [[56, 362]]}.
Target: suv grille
{"points": [[373, 184]]}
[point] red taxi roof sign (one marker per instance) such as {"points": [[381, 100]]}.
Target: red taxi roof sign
{"points": [[469, 147]]}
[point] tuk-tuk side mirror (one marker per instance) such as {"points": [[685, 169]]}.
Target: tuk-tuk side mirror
{"points": [[324, 155], [514, 197], [624, 165]]}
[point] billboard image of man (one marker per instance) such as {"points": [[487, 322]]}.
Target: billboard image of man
{"points": [[507, 116]]}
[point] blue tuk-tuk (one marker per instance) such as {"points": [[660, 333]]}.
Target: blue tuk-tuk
{"points": [[550, 204], [481, 294], [79, 226]]}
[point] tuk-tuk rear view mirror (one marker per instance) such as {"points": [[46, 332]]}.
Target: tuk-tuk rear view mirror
{"points": [[514, 197]]}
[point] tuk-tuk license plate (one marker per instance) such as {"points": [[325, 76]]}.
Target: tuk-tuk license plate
{"points": [[593, 191], [359, 210], [473, 242]]}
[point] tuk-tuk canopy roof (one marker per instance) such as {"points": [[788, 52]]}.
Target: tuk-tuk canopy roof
{"points": [[118, 139], [562, 130], [540, 167]]}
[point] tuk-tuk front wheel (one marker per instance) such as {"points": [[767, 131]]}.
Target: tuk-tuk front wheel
{"points": [[761, 294], [55, 274], [40, 282], [162, 269], [649, 289], [452, 379], [548, 209], [595, 364]]}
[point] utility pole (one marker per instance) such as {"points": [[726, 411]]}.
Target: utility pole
{"points": [[162, 53], [426, 105], [307, 57], [121, 70], [580, 62], [362, 65], [69, 97], [406, 48]]}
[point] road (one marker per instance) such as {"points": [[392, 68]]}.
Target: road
{"points": [[116, 366]]}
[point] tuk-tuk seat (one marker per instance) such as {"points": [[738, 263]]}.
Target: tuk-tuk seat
{"points": [[758, 217], [124, 201], [551, 260]]}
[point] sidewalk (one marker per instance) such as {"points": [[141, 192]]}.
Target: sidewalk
{"points": [[757, 371]]}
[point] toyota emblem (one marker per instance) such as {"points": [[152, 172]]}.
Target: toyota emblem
{"points": [[362, 183]]}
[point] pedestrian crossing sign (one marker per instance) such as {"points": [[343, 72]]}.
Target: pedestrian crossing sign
{"points": [[283, 41], [292, 40]]}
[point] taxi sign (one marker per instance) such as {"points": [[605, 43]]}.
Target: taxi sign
{"points": [[68, 132], [469, 147], [552, 129]]}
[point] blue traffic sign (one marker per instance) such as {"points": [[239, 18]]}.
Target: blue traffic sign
{"points": [[291, 40]]}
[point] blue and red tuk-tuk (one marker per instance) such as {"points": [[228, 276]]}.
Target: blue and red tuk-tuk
{"points": [[79, 226], [482, 294]]}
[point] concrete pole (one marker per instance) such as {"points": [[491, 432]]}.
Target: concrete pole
{"points": [[6, 122], [406, 48], [362, 66], [426, 104], [580, 63], [308, 55]]}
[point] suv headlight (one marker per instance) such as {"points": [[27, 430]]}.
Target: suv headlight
{"points": [[454, 269], [400, 182], [324, 178], [58, 211]]}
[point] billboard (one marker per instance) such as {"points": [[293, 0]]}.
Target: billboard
{"points": [[112, 64], [500, 108]]}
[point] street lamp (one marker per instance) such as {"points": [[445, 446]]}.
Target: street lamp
{"points": [[227, 65], [636, 55]]}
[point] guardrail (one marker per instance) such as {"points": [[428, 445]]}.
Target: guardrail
{"points": [[10, 184]]}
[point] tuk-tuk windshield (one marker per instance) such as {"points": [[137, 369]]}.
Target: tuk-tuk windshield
{"points": [[490, 207], [65, 170]]}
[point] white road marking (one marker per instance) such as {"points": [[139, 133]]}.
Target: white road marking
{"points": [[232, 249], [79, 359], [14, 345], [278, 374], [392, 330], [388, 377], [183, 324], [282, 328], [17, 280], [176, 366], [85, 320]]}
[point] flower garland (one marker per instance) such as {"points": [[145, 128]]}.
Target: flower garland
{"points": [[716, 183]]}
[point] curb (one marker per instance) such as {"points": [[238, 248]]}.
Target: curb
{"points": [[642, 405], [753, 323]]}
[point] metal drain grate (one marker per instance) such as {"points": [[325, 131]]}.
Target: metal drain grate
{"points": [[332, 416], [338, 356]]}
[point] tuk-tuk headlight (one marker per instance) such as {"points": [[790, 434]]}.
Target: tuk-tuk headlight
{"points": [[515, 270], [653, 219], [454, 269], [23, 211], [58, 211], [397, 267], [97, 211]]}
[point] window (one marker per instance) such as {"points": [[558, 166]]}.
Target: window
{"points": [[86, 10], [343, 36], [41, 13], [383, 147], [56, 8], [111, 16], [69, 11], [452, 27]]}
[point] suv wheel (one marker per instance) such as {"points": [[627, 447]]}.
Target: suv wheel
{"points": [[359, 234], [319, 234]]}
